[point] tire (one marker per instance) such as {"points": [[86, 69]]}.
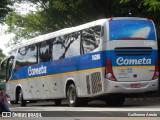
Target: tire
{"points": [[14, 102], [115, 100], [72, 96], [57, 102], [21, 100]]}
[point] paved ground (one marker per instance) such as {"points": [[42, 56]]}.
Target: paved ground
{"points": [[131, 110]]}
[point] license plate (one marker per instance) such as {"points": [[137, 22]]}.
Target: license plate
{"points": [[135, 85]]}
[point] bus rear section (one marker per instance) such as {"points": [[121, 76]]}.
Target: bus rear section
{"points": [[132, 65]]}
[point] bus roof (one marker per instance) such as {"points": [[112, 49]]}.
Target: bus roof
{"points": [[128, 18], [69, 30], [59, 33]]}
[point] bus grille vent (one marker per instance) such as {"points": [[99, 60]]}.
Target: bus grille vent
{"points": [[96, 82], [88, 85], [133, 51]]}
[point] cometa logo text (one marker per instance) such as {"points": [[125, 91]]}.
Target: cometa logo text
{"points": [[37, 71], [143, 61]]}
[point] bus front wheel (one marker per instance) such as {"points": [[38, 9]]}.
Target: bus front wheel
{"points": [[72, 96], [21, 100], [14, 102]]}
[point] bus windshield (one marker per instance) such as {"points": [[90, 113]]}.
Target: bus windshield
{"points": [[131, 30]]}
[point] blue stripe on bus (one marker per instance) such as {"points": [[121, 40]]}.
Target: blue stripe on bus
{"points": [[78, 63]]}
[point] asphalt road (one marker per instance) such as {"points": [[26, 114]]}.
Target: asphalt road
{"points": [[94, 110]]}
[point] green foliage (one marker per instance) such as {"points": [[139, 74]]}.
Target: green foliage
{"points": [[4, 8], [26, 26], [154, 5], [57, 14], [53, 15], [1, 55]]}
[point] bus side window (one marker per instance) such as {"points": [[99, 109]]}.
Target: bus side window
{"points": [[9, 67], [21, 56], [102, 31], [90, 39], [73, 44], [58, 48], [26, 56], [45, 52], [6, 69]]}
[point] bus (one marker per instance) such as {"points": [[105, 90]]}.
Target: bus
{"points": [[106, 59]]}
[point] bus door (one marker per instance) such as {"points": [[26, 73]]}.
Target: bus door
{"points": [[6, 71]]}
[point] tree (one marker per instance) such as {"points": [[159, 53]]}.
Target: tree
{"points": [[1, 55], [53, 15], [5, 9], [147, 8], [154, 5]]}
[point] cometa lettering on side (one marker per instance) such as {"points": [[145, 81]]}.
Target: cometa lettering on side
{"points": [[37, 71]]}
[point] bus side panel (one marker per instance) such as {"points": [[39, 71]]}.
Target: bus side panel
{"points": [[91, 67], [56, 87]]}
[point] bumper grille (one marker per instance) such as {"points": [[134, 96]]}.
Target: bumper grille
{"points": [[133, 51]]}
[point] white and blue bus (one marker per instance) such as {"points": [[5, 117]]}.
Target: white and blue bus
{"points": [[104, 59]]}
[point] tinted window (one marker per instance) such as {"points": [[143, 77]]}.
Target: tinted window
{"points": [[90, 39], [66, 46], [131, 30], [58, 47], [9, 67], [76, 43], [73, 45], [45, 52], [26, 56]]}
